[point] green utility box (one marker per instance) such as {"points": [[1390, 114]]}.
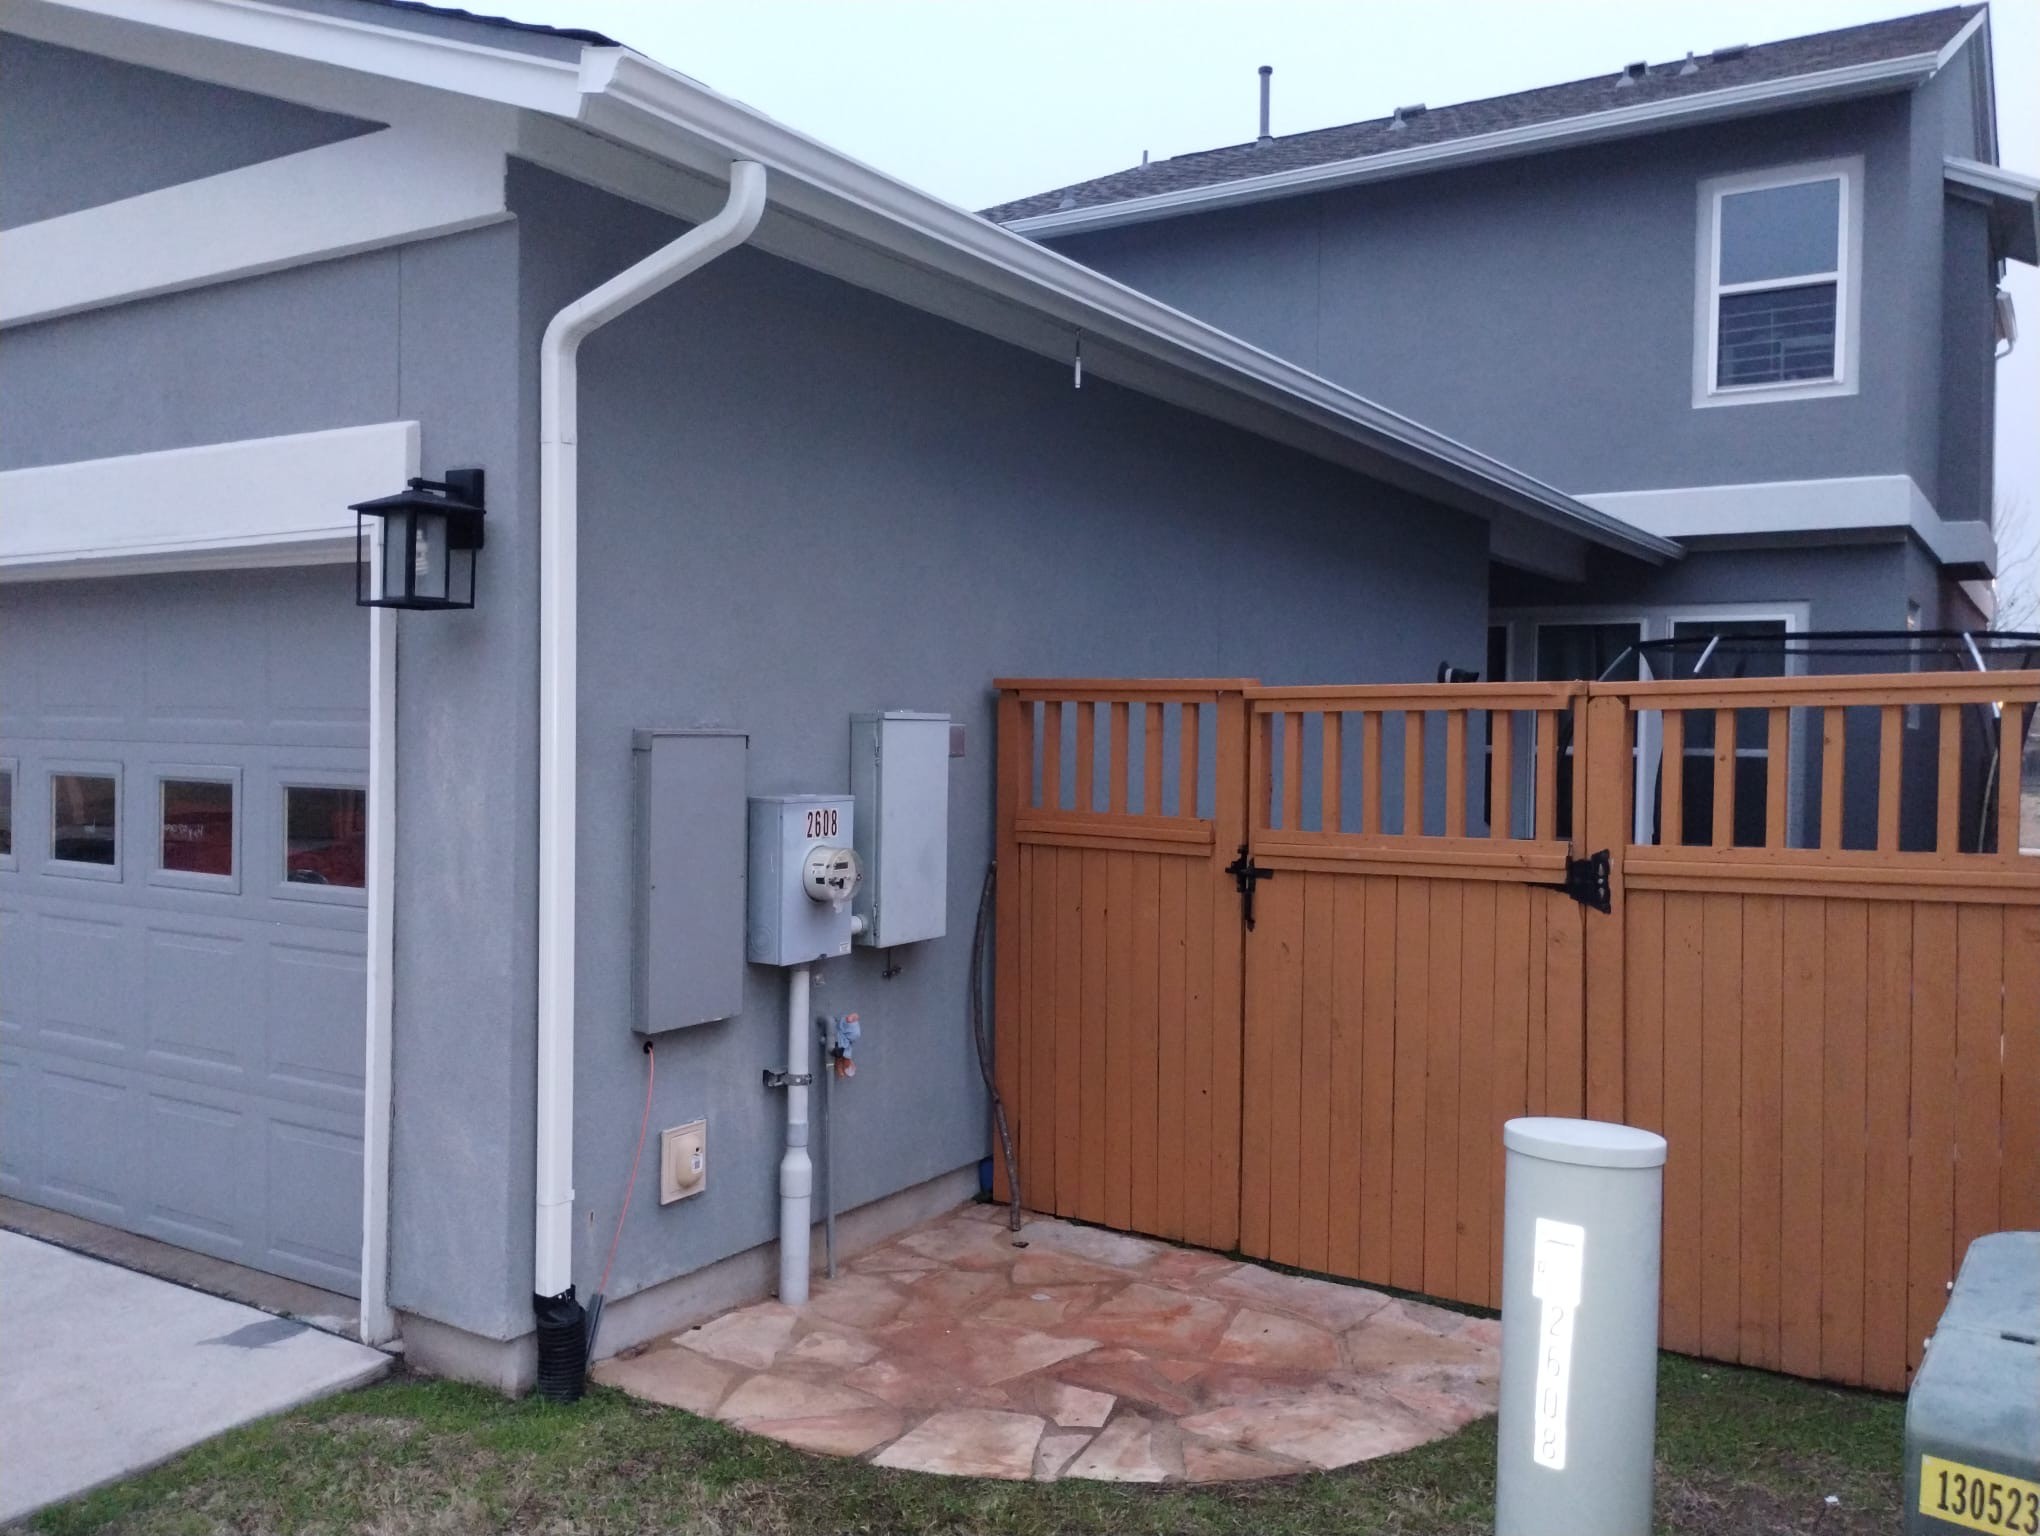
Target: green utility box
{"points": [[1972, 1421]]}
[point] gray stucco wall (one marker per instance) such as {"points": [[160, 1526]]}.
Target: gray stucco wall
{"points": [[426, 332], [1968, 365], [1542, 309], [762, 440], [81, 130]]}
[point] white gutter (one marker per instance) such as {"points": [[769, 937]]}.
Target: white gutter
{"points": [[378, 1323], [558, 664], [1619, 122]]}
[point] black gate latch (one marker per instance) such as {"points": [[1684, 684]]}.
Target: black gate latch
{"points": [[1246, 875], [1586, 881]]}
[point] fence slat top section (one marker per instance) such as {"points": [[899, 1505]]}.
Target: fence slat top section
{"points": [[1870, 688], [1428, 696], [1160, 689]]}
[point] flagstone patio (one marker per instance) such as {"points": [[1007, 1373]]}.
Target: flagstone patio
{"points": [[1065, 1351]]}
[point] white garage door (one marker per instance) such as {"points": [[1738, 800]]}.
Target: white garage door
{"points": [[183, 769]]}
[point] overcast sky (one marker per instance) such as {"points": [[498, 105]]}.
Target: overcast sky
{"points": [[981, 102]]}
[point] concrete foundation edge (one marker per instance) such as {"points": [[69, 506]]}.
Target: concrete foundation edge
{"points": [[511, 1365]]}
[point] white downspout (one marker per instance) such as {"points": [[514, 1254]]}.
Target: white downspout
{"points": [[558, 622]]}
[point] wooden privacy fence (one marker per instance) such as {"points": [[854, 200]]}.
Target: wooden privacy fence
{"points": [[1275, 964]]}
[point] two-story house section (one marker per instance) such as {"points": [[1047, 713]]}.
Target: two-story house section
{"points": [[1749, 299]]}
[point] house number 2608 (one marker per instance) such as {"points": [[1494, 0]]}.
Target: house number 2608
{"points": [[821, 823]]}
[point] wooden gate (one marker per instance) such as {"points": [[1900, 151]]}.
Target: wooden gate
{"points": [[1827, 999], [1118, 950], [1412, 978]]}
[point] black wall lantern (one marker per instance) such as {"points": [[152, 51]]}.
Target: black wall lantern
{"points": [[426, 558]]}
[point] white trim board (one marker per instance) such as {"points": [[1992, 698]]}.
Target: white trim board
{"points": [[361, 194], [264, 501], [1776, 508]]}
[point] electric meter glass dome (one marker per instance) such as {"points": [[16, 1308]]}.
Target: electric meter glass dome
{"points": [[831, 874]]}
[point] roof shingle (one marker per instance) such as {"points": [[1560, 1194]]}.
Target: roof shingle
{"points": [[1873, 42]]}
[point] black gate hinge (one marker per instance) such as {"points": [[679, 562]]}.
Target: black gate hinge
{"points": [[1246, 875], [1586, 881]]}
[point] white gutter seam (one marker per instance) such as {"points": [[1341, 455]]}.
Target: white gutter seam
{"points": [[1828, 85], [1105, 310], [558, 663]]}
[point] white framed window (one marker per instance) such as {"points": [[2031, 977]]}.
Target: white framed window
{"points": [[84, 821], [1778, 280], [323, 836]]}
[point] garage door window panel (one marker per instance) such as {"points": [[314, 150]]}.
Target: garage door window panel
{"points": [[198, 828], [85, 806], [325, 841]]}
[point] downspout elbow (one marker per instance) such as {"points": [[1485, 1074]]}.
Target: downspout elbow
{"points": [[559, 519]]}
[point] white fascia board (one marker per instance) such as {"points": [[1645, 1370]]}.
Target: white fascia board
{"points": [[361, 194], [263, 501], [2013, 200], [1619, 122], [675, 119], [184, 27], [1857, 504]]}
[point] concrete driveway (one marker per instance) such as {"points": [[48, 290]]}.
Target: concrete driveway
{"points": [[104, 1372]]}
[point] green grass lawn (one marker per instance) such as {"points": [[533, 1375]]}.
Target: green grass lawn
{"points": [[1739, 1451]]}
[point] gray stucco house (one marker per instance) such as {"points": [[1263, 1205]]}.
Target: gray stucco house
{"points": [[1748, 299], [320, 924]]}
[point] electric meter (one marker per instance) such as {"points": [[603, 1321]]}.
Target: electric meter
{"points": [[831, 874], [803, 873]]}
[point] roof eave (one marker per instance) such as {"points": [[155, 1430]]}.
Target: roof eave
{"points": [[2013, 201], [632, 98], [1619, 122]]}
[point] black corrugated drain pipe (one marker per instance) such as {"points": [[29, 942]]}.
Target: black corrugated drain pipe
{"points": [[562, 1347]]}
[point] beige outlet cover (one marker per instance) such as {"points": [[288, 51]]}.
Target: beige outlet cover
{"points": [[683, 1161]]}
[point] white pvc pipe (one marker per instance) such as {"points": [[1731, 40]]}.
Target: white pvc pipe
{"points": [[558, 623], [796, 1169]]}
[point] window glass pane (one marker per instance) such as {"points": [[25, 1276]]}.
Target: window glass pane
{"points": [[198, 826], [1570, 652], [82, 818], [325, 835], [6, 812], [1781, 232], [1777, 335]]}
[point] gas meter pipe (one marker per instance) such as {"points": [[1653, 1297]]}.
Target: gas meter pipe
{"points": [[796, 1169]]}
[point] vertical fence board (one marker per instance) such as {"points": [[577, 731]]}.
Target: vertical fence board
{"points": [[1097, 1108], [1206, 1186], [1846, 956], [1763, 957], [1979, 1026], [1172, 1080], [1478, 1131], [1931, 1208], [1348, 1074], [1145, 1039], [1802, 1096], [1314, 1085], [1377, 1089], [1412, 1012], [1886, 1086], [1721, 1123], [1282, 905], [1118, 1028], [1332, 771], [1069, 1030], [1441, 1089], [1509, 1069], [1087, 754], [2019, 1191], [1685, 1160], [1455, 773]]}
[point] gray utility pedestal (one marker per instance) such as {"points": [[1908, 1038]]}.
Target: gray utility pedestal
{"points": [[1583, 1202], [1972, 1420]]}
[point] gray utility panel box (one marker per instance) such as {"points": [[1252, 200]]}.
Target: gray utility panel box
{"points": [[689, 940], [1972, 1419], [899, 772], [787, 926]]}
